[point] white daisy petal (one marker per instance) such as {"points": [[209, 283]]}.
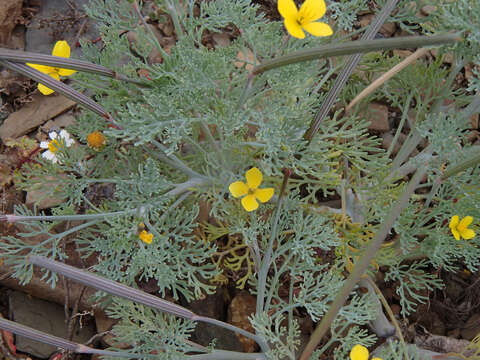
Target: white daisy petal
{"points": [[50, 156], [52, 135], [44, 144], [66, 138]]}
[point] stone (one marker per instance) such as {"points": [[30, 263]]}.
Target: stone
{"points": [[221, 39], [213, 306], [245, 60], [365, 20], [10, 11], [60, 20], [40, 289], [402, 53], [34, 114], [42, 201], [377, 114], [471, 327], [43, 316], [388, 29], [60, 122], [104, 324], [428, 9], [242, 306]]}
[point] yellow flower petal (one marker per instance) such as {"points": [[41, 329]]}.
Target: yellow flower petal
{"points": [[468, 234], [238, 188], [455, 233], [264, 194], [318, 29], [454, 222], [146, 237], [45, 90], [359, 352], [42, 68], [66, 72], [249, 203], [311, 10], [294, 28], [61, 49], [467, 220], [287, 9], [377, 358], [254, 178]]}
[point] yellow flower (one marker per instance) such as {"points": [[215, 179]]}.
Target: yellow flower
{"points": [[145, 236], [60, 49], [360, 352], [459, 227], [96, 140], [295, 20], [250, 191]]}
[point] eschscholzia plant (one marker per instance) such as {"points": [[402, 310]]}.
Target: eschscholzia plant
{"points": [[250, 192], [459, 228], [61, 49], [57, 141], [304, 19]]}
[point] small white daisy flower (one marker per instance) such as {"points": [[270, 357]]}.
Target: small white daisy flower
{"points": [[56, 142]]}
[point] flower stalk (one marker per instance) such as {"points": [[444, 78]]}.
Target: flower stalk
{"points": [[363, 263], [355, 47]]}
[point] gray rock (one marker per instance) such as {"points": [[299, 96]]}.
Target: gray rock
{"points": [[59, 20], [44, 316], [214, 306]]}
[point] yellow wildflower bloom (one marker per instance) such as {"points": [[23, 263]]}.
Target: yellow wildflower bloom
{"points": [[459, 227], [295, 20], [250, 191], [60, 49], [145, 236], [360, 352], [96, 140]]}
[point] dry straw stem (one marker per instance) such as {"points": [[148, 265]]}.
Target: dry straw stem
{"points": [[386, 76]]}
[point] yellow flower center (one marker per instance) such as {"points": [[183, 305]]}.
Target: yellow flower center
{"points": [[96, 140], [54, 145]]}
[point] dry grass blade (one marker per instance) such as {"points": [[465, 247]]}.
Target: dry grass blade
{"points": [[386, 76]]}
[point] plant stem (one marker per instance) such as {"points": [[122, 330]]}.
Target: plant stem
{"points": [[389, 311], [175, 162], [129, 293], [363, 263], [45, 338], [355, 47], [350, 64], [61, 88], [267, 259], [465, 164], [13, 218]]}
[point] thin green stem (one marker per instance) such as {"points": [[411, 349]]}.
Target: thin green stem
{"points": [[355, 47], [350, 65], [173, 12], [23, 57], [45, 338], [210, 137], [173, 161], [61, 88], [153, 39], [363, 263], [406, 107], [389, 311], [230, 355], [464, 165], [13, 218], [267, 258]]}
